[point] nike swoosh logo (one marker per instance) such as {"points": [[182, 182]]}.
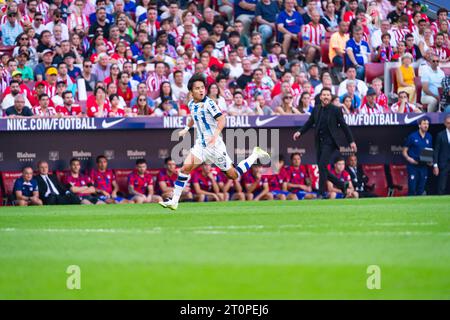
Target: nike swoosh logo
{"points": [[290, 21], [408, 120], [260, 123], [106, 125]]}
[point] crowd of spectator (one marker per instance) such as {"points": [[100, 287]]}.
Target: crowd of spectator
{"points": [[105, 58]]}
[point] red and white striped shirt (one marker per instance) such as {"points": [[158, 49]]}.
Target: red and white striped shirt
{"points": [[365, 109], [442, 52], [49, 112], [314, 34], [154, 82], [50, 90], [409, 107], [73, 20], [44, 8], [435, 26], [400, 34]]}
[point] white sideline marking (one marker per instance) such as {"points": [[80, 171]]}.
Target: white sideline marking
{"points": [[158, 230]]}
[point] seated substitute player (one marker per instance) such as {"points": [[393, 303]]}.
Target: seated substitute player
{"points": [[256, 187], [205, 186], [209, 146], [25, 189], [105, 183], [232, 189], [166, 181], [344, 176], [277, 182], [80, 184], [298, 182], [140, 185]]}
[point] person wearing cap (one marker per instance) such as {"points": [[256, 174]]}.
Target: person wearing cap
{"points": [[72, 70], [39, 70], [26, 71], [51, 76], [11, 29], [17, 76], [371, 106]]}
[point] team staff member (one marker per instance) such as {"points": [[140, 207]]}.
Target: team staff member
{"points": [[26, 189], [327, 119], [417, 171], [441, 167]]}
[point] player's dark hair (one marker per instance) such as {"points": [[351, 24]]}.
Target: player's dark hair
{"points": [[325, 89], [166, 160], [140, 161], [14, 81], [43, 96], [295, 154], [419, 121], [27, 167], [65, 93], [196, 78], [338, 158], [74, 160], [97, 160]]}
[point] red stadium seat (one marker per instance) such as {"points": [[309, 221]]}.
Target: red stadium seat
{"points": [[61, 174], [399, 176], [8, 179], [122, 179], [377, 178], [325, 49], [373, 70]]}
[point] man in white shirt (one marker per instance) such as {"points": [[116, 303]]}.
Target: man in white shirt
{"points": [[385, 27], [8, 100], [431, 82], [361, 87], [234, 65]]}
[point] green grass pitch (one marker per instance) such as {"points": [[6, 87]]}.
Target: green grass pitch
{"points": [[253, 250]]}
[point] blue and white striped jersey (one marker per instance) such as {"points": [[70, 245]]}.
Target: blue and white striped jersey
{"points": [[204, 114]]}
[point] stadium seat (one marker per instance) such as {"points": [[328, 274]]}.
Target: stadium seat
{"points": [[374, 70], [377, 178], [399, 179], [325, 48], [60, 174], [122, 179], [8, 179]]}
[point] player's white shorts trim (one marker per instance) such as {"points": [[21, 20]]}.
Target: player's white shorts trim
{"points": [[216, 154]]}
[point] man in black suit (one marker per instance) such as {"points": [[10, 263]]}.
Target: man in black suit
{"points": [[51, 191], [327, 119], [359, 179], [441, 157]]}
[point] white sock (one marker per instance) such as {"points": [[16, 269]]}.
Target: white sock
{"points": [[246, 164], [181, 182]]}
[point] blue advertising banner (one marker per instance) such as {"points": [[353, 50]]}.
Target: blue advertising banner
{"points": [[25, 141], [83, 124]]}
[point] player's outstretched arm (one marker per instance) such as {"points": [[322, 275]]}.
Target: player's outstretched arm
{"points": [[189, 125]]}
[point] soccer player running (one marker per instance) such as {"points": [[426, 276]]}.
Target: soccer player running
{"points": [[209, 146]]}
